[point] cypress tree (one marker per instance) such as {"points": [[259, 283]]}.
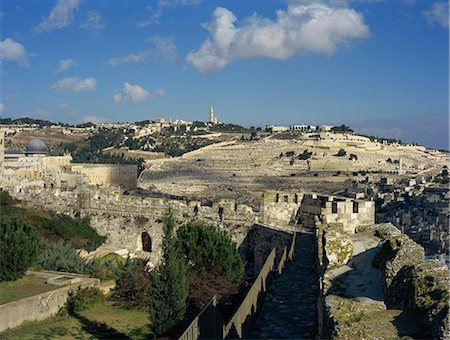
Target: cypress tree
{"points": [[18, 248], [169, 283]]}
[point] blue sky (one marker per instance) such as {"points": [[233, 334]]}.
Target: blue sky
{"points": [[380, 66]]}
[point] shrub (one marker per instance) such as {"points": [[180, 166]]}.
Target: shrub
{"points": [[78, 231], [5, 199], [305, 155], [169, 283], [82, 299], [353, 156], [290, 154], [18, 248], [341, 153], [211, 249], [108, 267], [134, 284], [61, 256]]}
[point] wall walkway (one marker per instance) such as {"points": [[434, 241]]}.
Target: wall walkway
{"points": [[289, 310]]}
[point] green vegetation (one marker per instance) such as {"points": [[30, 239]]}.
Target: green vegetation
{"points": [[305, 155], [61, 256], [341, 128], [78, 231], [18, 248], [108, 267], [104, 320], [22, 288], [177, 146], [82, 299], [341, 153], [353, 156], [39, 122], [210, 249], [134, 285], [91, 150], [169, 283], [52, 227]]}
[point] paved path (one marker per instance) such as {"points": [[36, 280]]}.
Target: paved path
{"points": [[289, 311]]}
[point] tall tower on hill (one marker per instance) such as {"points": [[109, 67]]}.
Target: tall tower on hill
{"points": [[211, 115]]}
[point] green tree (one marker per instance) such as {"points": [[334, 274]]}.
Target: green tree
{"points": [[169, 283], [134, 285], [211, 249], [18, 248]]}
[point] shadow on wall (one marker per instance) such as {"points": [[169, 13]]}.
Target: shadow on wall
{"points": [[258, 244], [362, 281]]}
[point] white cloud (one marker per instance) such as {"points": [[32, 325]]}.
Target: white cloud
{"points": [[133, 93], [65, 64], [131, 58], [437, 13], [11, 50], [60, 16], [160, 93], [94, 22], [75, 84], [163, 6], [94, 119], [164, 51], [302, 28], [2, 108], [117, 98]]}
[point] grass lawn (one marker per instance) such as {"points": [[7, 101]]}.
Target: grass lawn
{"points": [[103, 320], [22, 288]]}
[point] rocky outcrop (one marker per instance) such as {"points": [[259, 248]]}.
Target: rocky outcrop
{"points": [[396, 252], [381, 230], [338, 248], [424, 288], [414, 285], [350, 319]]}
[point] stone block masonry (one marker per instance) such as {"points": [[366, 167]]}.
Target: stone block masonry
{"points": [[128, 220], [41, 306]]}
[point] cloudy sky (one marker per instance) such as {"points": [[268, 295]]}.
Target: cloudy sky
{"points": [[380, 66]]}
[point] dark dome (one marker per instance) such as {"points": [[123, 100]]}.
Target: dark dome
{"points": [[36, 146]]}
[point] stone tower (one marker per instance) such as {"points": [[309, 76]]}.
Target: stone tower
{"points": [[211, 115]]}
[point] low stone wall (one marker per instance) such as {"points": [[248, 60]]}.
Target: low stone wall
{"points": [[209, 324], [41, 306]]}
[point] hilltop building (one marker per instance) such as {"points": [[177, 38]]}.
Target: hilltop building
{"points": [[211, 117]]}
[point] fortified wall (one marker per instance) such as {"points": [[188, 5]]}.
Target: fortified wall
{"points": [[136, 222], [350, 213]]}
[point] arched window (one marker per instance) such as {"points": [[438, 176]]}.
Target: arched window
{"points": [[146, 242]]}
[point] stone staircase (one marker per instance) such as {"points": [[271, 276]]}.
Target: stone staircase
{"points": [[289, 310]]}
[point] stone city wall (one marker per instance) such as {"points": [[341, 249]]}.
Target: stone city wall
{"points": [[124, 219]]}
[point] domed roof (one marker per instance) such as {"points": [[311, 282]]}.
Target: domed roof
{"points": [[36, 146]]}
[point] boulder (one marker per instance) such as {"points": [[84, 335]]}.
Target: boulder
{"points": [[396, 252]]}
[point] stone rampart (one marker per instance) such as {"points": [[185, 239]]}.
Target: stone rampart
{"points": [[350, 213]]}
